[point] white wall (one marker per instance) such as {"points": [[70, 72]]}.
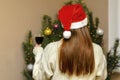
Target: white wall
{"points": [[118, 18], [113, 22]]}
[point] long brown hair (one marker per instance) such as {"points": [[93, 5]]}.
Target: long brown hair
{"points": [[76, 54]]}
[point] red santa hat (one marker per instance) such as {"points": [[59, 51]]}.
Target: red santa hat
{"points": [[72, 17]]}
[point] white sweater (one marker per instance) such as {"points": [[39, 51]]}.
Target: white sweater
{"points": [[46, 64]]}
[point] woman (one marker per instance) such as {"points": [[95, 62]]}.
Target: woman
{"points": [[74, 57]]}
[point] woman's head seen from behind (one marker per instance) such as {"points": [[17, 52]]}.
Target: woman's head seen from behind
{"points": [[76, 52]]}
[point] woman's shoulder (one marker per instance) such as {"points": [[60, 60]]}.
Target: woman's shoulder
{"points": [[52, 47], [98, 51], [51, 51], [54, 44], [96, 46]]}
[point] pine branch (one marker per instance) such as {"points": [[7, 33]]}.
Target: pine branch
{"points": [[27, 75], [69, 2], [113, 59]]}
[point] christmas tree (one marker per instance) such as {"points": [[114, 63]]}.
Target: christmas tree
{"points": [[113, 59], [28, 56]]}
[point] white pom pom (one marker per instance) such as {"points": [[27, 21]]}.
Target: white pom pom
{"points": [[66, 34], [30, 67]]}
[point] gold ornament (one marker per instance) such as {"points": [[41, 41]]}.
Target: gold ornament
{"points": [[48, 31], [31, 41]]}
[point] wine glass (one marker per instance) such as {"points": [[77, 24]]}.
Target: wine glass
{"points": [[38, 38]]}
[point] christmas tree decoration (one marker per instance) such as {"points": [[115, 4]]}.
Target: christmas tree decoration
{"points": [[48, 31], [56, 26], [100, 31], [30, 67]]}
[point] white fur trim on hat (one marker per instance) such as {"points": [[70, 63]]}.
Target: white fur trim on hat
{"points": [[77, 25], [67, 34]]}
